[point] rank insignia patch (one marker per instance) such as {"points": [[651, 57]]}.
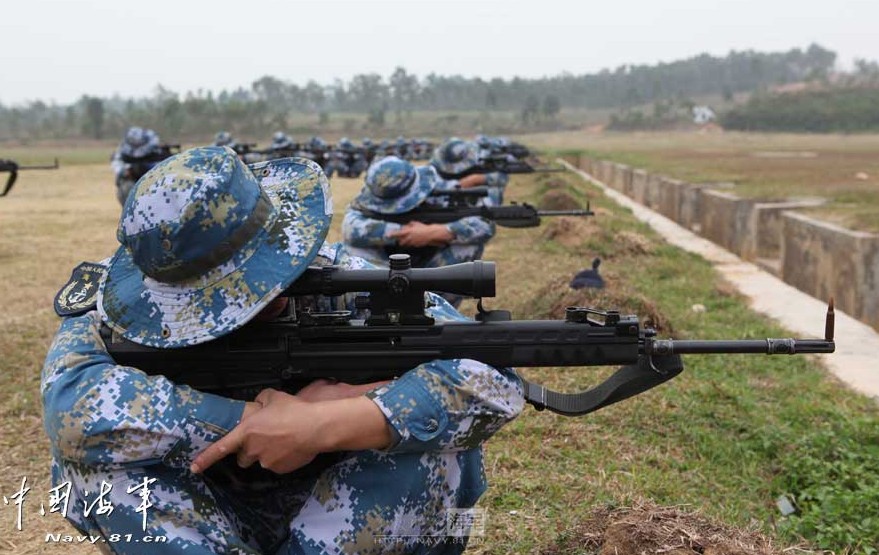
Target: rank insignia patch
{"points": [[80, 293]]}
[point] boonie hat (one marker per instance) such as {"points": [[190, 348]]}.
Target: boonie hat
{"points": [[454, 157], [207, 242], [395, 186]]}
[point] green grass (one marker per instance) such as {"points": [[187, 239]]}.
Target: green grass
{"points": [[728, 436]]}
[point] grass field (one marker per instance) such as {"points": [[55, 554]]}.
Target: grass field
{"points": [[841, 168], [726, 438]]}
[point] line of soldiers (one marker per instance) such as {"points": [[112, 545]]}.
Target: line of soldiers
{"points": [[454, 165], [395, 186], [345, 158]]}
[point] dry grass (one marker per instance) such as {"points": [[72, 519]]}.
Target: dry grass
{"points": [[49, 223], [646, 528], [842, 168]]}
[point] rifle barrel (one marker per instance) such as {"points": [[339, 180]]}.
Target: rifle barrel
{"points": [[586, 212], [54, 166], [548, 169], [785, 346]]}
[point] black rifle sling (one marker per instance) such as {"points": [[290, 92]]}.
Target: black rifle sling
{"points": [[626, 382]]}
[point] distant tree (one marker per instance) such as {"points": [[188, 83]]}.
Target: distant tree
{"points": [[551, 106], [530, 110], [376, 117], [94, 116], [490, 100], [273, 97], [368, 91], [315, 96], [404, 89]]}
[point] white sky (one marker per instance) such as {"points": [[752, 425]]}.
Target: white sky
{"points": [[61, 49]]}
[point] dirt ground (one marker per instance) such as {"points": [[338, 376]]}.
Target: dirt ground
{"points": [[646, 529]]}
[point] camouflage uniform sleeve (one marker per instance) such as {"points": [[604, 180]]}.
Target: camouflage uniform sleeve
{"points": [[116, 163], [363, 232], [471, 230], [95, 411], [497, 183], [496, 179], [449, 405]]}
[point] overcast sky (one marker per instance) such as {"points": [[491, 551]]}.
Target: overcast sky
{"points": [[61, 49]]}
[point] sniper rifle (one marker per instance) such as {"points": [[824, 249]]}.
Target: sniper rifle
{"points": [[13, 168], [460, 205], [501, 163], [398, 335]]}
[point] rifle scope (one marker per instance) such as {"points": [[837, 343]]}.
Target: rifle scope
{"points": [[471, 279]]}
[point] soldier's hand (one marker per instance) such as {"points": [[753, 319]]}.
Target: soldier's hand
{"points": [[326, 390], [281, 436], [472, 180], [417, 234], [250, 409], [288, 432]]}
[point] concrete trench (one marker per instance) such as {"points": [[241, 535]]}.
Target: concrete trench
{"points": [[821, 258]]}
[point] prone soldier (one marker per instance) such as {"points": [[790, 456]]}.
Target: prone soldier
{"points": [[140, 150], [345, 159], [453, 160], [227, 241], [395, 186]]}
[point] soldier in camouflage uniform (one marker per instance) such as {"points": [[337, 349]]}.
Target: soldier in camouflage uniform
{"points": [[345, 159], [138, 143], [207, 245], [455, 157], [395, 186]]}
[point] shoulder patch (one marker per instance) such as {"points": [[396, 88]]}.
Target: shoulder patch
{"points": [[80, 294]]}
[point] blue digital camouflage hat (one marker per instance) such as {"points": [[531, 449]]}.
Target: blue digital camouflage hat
{"points": [[137, 142], [395, 186], [454, 157], [207, 242], [223, 138]]}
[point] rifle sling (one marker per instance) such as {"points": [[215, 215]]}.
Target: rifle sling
{"points": [[626, 382]]}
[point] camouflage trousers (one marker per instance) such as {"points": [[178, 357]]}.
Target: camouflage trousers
{"points": [[367, 503], [435, 258]]}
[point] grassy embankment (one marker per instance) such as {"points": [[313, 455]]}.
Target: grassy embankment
{"points": [[727, 437], [765, 166]]}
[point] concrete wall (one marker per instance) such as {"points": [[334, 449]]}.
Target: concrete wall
{"points": [[670, 191], [638, 188], [821, 259], [725, 219], [654, 191], [826, 260], [767, 219]]}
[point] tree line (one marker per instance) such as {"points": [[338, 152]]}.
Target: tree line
{"points": [[842, 109], [271, 103]]}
